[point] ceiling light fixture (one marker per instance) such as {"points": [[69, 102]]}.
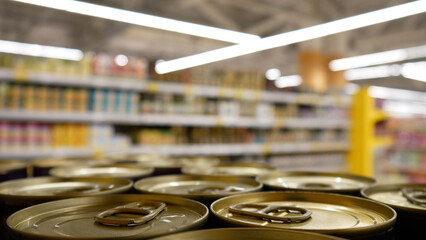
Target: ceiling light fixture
{"points": [[396, 94], [40, 50], [272, 74], [317, 31], [413, 70], [378, 58], [288, 81], [121, 15]]}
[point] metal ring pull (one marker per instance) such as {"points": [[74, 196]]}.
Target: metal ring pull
{"points": [[214, 189], [415, 195], [148, 209], [262, 211], [316, 185]]}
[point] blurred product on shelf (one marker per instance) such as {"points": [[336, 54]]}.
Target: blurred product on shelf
{"points": [[206, 135], [42, 98], [16, 136], [406, 159], [310, 162], [101, 64], [215, 77]]}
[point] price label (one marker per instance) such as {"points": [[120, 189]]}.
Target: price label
{"points": [[188, 90], [238, 94], [219, 122], [152, 87], [20, 75], [221, 92], [279, 122], [266, 149], [257, 95]]}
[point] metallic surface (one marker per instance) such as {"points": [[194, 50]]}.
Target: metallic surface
{"points": [[75, 218], [334, 214], [110, 170], [247, 234], [35, 190], [392, 195], [316, 181], [197, 187]]}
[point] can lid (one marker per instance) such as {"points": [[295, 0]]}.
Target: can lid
{"points": [[231, 169], [9, 165], [409, 197], [110, 170], [335, 214], [316, 181], [50, 188], [61, 162], [247, 234], [196, 187], [127, 216]]}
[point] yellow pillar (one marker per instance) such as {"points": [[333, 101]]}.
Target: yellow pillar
{"points": [[362, 136]]}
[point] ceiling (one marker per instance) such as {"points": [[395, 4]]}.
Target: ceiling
{"points": [[32, 24]]}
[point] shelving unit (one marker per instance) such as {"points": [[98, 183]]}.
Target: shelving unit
{"points": [[155, 87], [189, 150], [151, 86], [171, 119]]}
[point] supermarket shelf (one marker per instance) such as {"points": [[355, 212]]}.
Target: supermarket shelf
{"points": [[187, 150], [47, 153], [170, 119], [9, 75], [240, 149]]}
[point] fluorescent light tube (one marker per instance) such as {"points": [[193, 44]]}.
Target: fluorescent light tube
{"points": [[40, 50], [415, 71], [372, 72], [378, 58], [321, 30], [288, 81], [396, 94], [145, 20], [404, 107]]}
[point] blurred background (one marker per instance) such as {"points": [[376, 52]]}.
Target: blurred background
{"points": [[84, 81]]}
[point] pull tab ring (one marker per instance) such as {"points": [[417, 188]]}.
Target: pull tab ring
{"points": [[148, 209], [416, 196], [261, 211], [214, 189]]}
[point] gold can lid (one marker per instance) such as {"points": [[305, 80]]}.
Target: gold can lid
{"points": [[408, 197], [9, 165], [156, 161], [62, 162], [197, 187], [110, 170], [316, 181], [246, 234], [231, 169], [334, 214], [127, 216], [51, 188]]}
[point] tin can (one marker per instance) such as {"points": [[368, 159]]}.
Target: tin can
{"points": [[231, 169], [409, 201], [324, 213], [205, 189], [129, 171], [164, 165], [246, 234], [12, 169], [342, 183], [41, 167], [131, 216], [22, 193]]}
